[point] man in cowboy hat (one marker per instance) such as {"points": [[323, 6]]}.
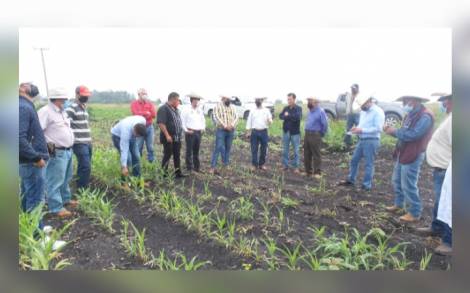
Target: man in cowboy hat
{"points": [[142, 106], [226, 119], [371, 122], [316, 125], [258, 123], [194, 123], [60, 138], [353, 109], [413, 137], [438, 156]]}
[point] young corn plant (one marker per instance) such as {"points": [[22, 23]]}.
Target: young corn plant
{"points": [[293, 256], [242, 209], [95, 206], [271, 248], [423, 264], [180, 262], [35, 247], [265, 213], [288, 202], [134, 242]]}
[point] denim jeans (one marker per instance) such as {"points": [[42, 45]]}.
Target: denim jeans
{"points": [[223, 144], [149, 140], [83, 153], [405, 184], [58, 175], [32, 187], [133, 158], [259, 142], [287, 140], [367, 149], [351, 120], [438, 175]]}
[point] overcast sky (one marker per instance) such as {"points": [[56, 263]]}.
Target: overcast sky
{"points": [[385, 63]]}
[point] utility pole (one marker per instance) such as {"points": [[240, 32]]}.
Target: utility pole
{"points": [[44, 67]]}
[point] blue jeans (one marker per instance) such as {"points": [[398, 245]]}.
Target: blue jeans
{"points": [[351, 120], [259, 141], [367, 149], [32, 187], [438, 175], [149, 140], [58, 175], [83, 152], [405, 184], [288, 139], [133, 158], [223, 144]]}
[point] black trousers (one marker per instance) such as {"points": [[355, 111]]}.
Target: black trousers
{"points": [[193, 142], [171, 149], [312, 145]]}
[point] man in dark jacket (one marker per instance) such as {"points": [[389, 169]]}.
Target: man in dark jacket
{"points": [[413, 138], [33, 152], [291, 116]]}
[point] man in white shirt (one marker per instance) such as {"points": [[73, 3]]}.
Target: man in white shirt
{"points": [[59, 137], [258, 122], [438, 156], [194, 124]]}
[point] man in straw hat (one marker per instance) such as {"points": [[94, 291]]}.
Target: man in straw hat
{"points": [[226, 119], [194, 124], [60, 138], [371, 122], [316, 125], [258, 123], [438, 156], [413, 137]]}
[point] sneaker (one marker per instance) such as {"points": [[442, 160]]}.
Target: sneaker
{"points": [[392, 209], [345, 183], [63, 213], [443, 249], [58, 244], [47, 229], [408, 218], [364, 188], [263, 167]]}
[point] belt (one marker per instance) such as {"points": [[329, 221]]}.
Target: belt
{"points": [[312, 131], [369, 138], [194, 130], [260, 129], [63, 148], [440, 169]]}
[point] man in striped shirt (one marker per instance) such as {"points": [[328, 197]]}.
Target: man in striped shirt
{"points": [[226, 119], [79, 123]]}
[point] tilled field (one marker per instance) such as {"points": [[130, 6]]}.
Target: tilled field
{"points": [[232, 218]]}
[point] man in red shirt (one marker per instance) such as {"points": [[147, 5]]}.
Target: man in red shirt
{"points": [[144, 107]]}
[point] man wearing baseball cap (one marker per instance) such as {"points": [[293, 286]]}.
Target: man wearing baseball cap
{"points": [[142, 106], [59, 136], [79, 121], [371, 122], [413, 138]]}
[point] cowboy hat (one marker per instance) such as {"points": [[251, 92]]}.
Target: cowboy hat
{"points": [[421, 99]]}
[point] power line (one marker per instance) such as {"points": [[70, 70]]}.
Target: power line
{"points": [[44, 67]]}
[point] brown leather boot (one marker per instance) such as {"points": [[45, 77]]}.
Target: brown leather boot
{"points": [[443, 249], [408, 218], [63, 213], [392, 209], [72, 204]]}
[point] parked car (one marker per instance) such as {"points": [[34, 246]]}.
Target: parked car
{"points": [[394, 112], [242, 108]]}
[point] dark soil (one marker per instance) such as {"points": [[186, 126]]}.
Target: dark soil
{"points": [[334, 207]]}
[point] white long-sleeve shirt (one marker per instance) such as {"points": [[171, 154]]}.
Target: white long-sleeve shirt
{"points": [[259, 118], [124, 129], [439, 150], [193, 118], [444, 212]]}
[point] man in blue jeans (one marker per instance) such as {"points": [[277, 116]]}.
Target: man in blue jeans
{"points": [[438, 156], [33, 153], [258, 123], [125, 135], [291, 116], [370, 126], [226, 118], [413, 137], [59, 136], [79, 122]]}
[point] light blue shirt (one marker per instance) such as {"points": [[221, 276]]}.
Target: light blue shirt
{"points": [[124, 129], [371, 122]]}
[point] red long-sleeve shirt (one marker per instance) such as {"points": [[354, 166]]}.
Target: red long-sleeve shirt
{"points": [[144, 108]]}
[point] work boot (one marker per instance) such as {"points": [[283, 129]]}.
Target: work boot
{"points": [[443, 249], [296, 171], [345, 183], [393, 209], [426, 231], [408, 218], [63, 213], [263, 167], [72, 204]]}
